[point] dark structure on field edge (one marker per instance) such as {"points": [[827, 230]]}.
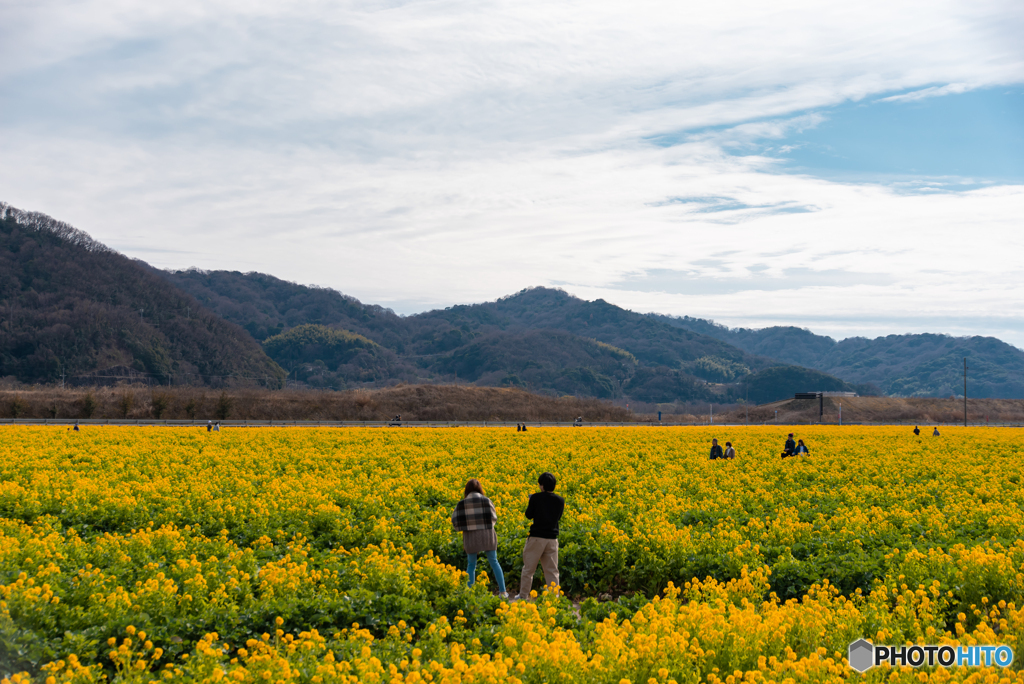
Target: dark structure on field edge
{"points": [[820, 396]]}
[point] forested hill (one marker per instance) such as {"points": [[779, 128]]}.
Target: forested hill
{"points": [[72, 308], [923, 365], [538, 338]]}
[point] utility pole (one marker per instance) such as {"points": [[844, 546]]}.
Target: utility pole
{"points": [[965, 391]]}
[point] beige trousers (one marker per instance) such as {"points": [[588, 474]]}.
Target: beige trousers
{"points": [[544, 551]]}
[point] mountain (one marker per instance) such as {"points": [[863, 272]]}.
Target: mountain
{"points": [[74, 309], [922, 365], [539, 338], [79, 311]]}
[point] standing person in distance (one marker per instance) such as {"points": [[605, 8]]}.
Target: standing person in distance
{"points": [[730, 453], [545, 510], [475, 517], [716, 451], [917, 431]]}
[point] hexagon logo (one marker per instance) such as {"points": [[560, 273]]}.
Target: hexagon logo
{"points": [[861, 655]]}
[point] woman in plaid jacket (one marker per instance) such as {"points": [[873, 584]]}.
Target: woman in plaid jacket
{"points": [[475, 517]]}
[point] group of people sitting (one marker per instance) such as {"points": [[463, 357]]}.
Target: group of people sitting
{"points": [[476, 517], [520, 427], [792, 448], [717, 452]]}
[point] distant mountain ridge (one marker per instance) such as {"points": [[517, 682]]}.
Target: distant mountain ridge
{"points": [[912, 365], [538, 338], [72, 309]]}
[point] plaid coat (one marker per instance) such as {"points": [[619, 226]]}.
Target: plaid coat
{"points": [[475, 512]]}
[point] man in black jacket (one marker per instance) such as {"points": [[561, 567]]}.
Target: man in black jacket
{"points": [[545, 510], [716, 451], [790, 448]]}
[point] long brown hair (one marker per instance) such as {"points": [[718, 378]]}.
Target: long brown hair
{"points": [[473, 486]]}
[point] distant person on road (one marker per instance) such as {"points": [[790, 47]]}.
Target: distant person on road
{"points": [[917, 430], [790, 447], [545, 510], [729, 451], [716, 451], [935, 433], [475, 517], [801, 449]]}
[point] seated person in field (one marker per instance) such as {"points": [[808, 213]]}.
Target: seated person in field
{"points": [[729, 451], [936, 432], [917, 430], [790, 447], [716, 451], [801, 449]]}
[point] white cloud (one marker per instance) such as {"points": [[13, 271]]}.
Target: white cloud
{"points": [[431, 152], [934, 91]]}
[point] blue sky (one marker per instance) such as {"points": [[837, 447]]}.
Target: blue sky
{"points": [[858, 170], [973, 135]]}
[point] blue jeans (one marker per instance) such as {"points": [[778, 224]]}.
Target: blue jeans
{"points": [[492, 560]]}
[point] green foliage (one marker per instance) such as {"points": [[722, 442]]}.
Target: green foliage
{"points": [[224, 404], [329, 357], [309, 343], [17, 406], [664, 384], [125, 403], [159, 403], [715, 369], [615, 351], [89, 405]]}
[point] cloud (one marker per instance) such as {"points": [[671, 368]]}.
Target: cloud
{"points": [[934, 91], [425, 153]]}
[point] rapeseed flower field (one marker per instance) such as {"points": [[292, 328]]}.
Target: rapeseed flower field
{"points": [[306, 555]]}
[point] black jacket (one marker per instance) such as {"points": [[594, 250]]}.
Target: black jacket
{"points": [[790, 446], [716, 452], [545, 510]]}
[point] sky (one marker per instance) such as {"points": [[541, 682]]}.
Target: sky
{"points": [[850, 168]]}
